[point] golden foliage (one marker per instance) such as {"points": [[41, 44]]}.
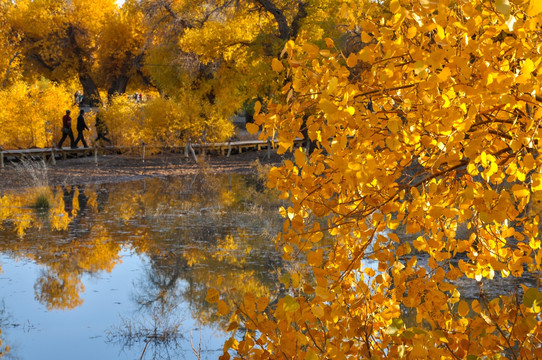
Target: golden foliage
{"points": [[161, 121], [426, 133], [31, 115]]}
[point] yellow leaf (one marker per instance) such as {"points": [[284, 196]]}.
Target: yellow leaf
{"points": [[418, 67], [395, 6], [528, 67], [223, 308], [318, 311], [392, 143], [261, 303], [515, 145], [529, 161], [440, 33], [412, 31], [519, 191], [535, 8], [325, 53], [300, 157], [257, 107], [290, 304], [536, 182], [503, 6], [365, 37], [311, 355], [212, 296], [429, 3], [352, 60], [252, 128], [276, 65], [314, 258], [418, 351], [328, 107], [311, 49], [233, 326], [394, 125], [249, 303], [323, 293], [463, 308]]}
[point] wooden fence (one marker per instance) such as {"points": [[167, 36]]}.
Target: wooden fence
{"points": [[224, 149]]}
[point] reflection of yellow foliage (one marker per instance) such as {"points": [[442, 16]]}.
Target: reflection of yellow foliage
{"points": [[195, 256], [88, 247], [231, 256], [92, 198], [98, 254], [60, 287], [3, 348], [58, 216], [226, 251], [141, 243], [227, 198], [16, 209], [59, 291], [75, 202]]}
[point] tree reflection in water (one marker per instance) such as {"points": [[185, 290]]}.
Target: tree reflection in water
{"points": [[197, 233], [158, 336]]}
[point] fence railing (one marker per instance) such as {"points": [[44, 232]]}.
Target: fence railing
{"points": [[190, 150]]}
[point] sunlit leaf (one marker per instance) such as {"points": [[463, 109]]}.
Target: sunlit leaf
{"points": [[277, 65], [290, 304], [503, 6], [212, 296], [252, 128]]}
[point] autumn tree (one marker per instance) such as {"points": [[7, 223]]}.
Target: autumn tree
{"points": [[30, 113], [426, 176], [60, 39], [9, 55], [123, 41]]}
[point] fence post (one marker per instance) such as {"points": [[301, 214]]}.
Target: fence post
{"points": [[268, 149], [229, 149], [53, 160], [96, 154], [1, 159], [143, 145], [192, 152]]}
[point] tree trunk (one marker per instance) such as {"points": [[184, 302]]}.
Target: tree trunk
{"points": [[118, 86], [91, 95], [286, 31], [280, 18]]}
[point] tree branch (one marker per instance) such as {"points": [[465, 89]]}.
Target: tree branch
{"points": [[279, 16], [8, 70]]}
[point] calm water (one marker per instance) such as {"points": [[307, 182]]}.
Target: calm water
{"points": [[122, 270]]}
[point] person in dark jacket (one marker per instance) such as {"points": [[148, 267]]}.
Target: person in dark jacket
{"points": [[66, 130], [81, 126], [101, 129]]}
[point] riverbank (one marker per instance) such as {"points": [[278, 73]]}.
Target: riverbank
{"points": [[118, 168]]}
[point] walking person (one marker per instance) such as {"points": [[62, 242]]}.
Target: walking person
{"points": [[66, 130], [81, 126], [101, 129]]}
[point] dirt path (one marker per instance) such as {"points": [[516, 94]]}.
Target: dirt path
{"points": [[117, 168]]}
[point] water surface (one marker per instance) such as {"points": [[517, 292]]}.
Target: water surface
{"points": [[122, 270]]}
